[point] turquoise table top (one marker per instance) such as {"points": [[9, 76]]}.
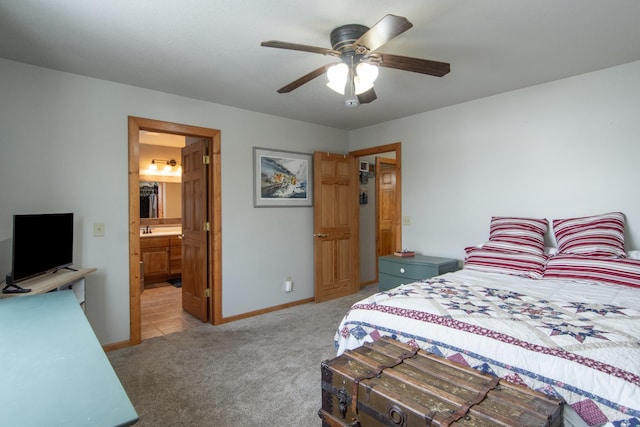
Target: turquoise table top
{"points": [[54, 371]]}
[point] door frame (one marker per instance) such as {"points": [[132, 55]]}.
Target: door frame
{"points": [[214, 257], [372, 151]]}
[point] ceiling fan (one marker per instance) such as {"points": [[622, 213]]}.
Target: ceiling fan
{"points": [[356, 47]]}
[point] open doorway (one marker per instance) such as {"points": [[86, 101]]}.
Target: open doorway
{"points": [[211, 254], [380, 220], [160, 156]]}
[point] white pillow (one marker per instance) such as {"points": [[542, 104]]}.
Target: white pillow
{"points": [[634, 254]]}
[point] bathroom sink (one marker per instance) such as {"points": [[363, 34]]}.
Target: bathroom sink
{"points": [[162, 231]]}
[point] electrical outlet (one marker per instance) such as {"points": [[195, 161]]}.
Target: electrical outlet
{"points": [[98, 229]]}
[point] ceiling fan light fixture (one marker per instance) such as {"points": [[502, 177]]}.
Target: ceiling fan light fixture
{"points": [[361, 86], [337, 87], [367, 72], [337, 75], [366, 75]]}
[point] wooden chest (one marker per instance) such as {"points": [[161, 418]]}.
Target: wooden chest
{"points": [[387, 383]]}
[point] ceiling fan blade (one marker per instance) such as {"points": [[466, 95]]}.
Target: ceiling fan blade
{"points": [[417, 65], [301, 47], [384, 30], [304, 79], [367, 97]]}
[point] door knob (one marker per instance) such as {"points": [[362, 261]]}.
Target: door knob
{"points": [[320, 235]]}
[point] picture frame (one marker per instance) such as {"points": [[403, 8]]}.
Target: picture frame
{"points": [[282, 178], [364, 166]]}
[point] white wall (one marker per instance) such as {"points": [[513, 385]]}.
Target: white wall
{"points": [[63, 147], [562, 149]]}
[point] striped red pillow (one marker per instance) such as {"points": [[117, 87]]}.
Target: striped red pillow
{"points": [[598, 235], [620, 271], [513, 263], [517, 234]]}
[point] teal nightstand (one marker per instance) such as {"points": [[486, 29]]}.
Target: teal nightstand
{"points": [[395, 271]]}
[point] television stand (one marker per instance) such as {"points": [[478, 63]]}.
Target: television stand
{"points": [[57, 281]]}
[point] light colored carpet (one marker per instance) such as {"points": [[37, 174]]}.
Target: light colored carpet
{"points": [[261, 371]]}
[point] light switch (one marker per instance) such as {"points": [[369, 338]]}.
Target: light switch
{"points": [[406, 220], [98, 229]]}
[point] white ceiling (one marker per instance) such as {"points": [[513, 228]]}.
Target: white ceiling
{"points": [[162, 139], [210, 49]]}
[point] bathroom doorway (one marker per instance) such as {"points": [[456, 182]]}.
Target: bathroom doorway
{"points": [[210, 257], [161, 172]]}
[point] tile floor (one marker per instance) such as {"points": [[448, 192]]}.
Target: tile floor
{"points": [[161, 311]]}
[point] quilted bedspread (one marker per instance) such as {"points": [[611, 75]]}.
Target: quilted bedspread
{"points": [[576, 340]]}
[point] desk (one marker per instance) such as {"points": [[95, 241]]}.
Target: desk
{"points": [[54, 371], [60, 280]]}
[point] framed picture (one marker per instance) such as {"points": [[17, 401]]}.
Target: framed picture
{"points": [[364, 166], [281, 178]]}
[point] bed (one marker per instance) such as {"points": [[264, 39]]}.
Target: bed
{"points": [[567, 326]]}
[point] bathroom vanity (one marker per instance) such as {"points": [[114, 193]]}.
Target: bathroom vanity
{"points": [[161, 253]]}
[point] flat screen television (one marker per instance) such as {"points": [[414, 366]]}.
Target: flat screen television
{"points": [[42, 243]]}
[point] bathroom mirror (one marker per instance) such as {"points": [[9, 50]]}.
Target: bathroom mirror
{"points": [[163, 150], [160, 200]]}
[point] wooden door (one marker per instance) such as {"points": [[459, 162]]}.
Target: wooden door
{"points": [[195, 232], [335, 199], [386, 206]]}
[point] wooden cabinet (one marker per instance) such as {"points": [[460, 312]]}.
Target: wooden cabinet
{"points": [[162, 257], [395, 271], [175, 255]]}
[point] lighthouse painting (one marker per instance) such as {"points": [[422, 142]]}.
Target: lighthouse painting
{"points": [[282, 178]]}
